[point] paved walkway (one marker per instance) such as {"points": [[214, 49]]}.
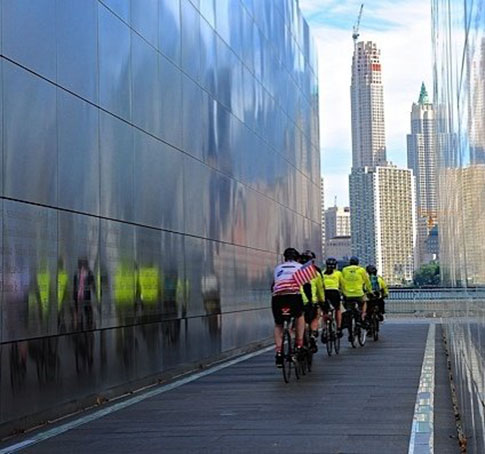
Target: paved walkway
{"points": [[361, 401]]}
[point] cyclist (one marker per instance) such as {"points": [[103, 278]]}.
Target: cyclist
{"points": [[379, 290], [333, 283], [286, 293], [313, 296], [355, 284]]}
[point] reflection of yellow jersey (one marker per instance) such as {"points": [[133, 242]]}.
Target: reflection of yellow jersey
{"points": [[355, 280], [61, 287], [43, 282], [124, 286], [149, 284], [333, 281]]}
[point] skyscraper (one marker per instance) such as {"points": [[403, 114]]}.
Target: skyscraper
{"points": [[381, 195], [422, 160], [367, 104]]}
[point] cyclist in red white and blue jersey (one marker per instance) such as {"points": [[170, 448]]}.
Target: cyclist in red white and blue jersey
{"points": [[286, 293]]}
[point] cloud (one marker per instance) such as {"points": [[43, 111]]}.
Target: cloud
{"points": [[402, 30]]}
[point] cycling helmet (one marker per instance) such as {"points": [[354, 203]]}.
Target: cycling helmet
{"points": [[331, 262], [371, 269], [307, 256], [354, 260], [291, 254]]}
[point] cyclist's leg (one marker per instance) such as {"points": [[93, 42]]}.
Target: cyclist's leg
{"points": [[297, 312], [315, 320], [276, 304], [333, 297]]}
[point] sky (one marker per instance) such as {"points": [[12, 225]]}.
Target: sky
{"points": [[402, 30]]}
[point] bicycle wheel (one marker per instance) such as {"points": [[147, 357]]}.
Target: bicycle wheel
{"points": [[287, 356], [352, 332], [309, 359], [375, 327], [336, 343], [361, 335], [330, 336]]}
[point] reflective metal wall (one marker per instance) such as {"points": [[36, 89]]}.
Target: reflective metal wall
{"points": [[157, 158], [459, 66]]}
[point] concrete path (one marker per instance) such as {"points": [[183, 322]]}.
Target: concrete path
{"points": [[361, 401]]}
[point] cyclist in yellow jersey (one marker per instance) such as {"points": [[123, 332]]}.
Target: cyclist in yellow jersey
{"points": [[356, 284], [379, 290], [313, 296], [333, 283]]}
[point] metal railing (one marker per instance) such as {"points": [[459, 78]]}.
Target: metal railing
{"points": [[432, 302]]}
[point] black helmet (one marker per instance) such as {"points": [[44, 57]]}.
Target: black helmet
{"points": [[291, 254], [307, 256], [371, 269], [331, 262], [354, 260]]}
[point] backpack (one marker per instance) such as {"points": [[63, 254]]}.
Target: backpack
{"points": [[375, 284]]}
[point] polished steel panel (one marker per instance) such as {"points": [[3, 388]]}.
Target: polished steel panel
{"points": [[159, 184], [122, 8], [207, 10], [29, 266], [146, 87], [115, 81], [78, 273], [192, 117], [148, 164], [78, 155], [30, 154], [116, 168], [170, 29], [144, 19], [197, 209], [117, 273], [77, 42], [170, 83], [29, 34], [191, 40], [161, 179], [173, 189], [208, 52]]}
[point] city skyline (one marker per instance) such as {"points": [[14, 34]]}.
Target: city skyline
{"points": [[402, 31]]}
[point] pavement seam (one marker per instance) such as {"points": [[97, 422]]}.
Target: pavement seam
{"points": [[422, 432]]}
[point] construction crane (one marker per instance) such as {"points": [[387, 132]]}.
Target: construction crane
{"points": [[355, 34]]}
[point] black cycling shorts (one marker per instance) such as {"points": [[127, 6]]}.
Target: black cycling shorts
{"points": [[311, 312], [294, 302], [348, 300], [332, 297]]}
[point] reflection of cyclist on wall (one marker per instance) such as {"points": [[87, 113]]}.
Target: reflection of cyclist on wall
{"points": [[313, 297], [286, 292], [333, 283], [355, 284], [379, 290]]}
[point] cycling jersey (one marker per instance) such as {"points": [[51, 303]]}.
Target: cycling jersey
{"points": [[333, 281], [355, 281], [283, 283], [383, 286], [317, 294]]}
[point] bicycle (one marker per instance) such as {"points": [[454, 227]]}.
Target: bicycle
{"points": [[357, 333], [373, 317], [306, 360], [329, 333], [288, 347]]}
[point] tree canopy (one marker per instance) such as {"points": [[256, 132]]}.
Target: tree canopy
{"points": [[428, 274]]}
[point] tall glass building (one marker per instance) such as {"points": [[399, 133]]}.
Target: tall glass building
{"points": [[157, 158], [459, 68]]}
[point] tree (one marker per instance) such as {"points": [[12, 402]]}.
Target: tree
{"points": [[428, 274]]}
